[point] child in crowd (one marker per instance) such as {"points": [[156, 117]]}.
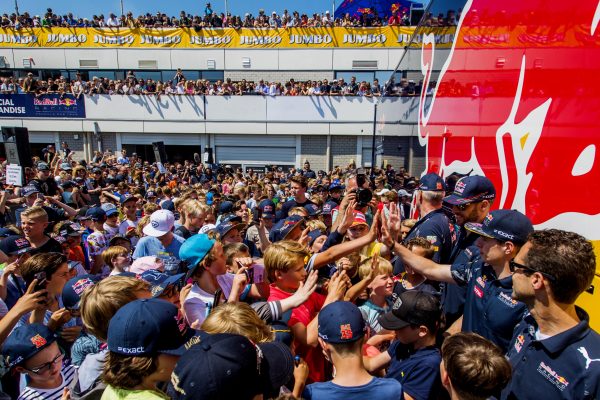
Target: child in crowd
{"points": [[12, 285], [191, 218], [111, 225], [99, 303], [413, 358], [32, 350], [473, 368], [98, 240], [145, 340], [377, 272], [130, 218], [411, 280], [34, 221], [212, 284], [341, 336], [117, 259], [285, 265]]}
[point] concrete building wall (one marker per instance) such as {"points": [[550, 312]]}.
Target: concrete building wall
{"points": [[74, 144], [343, 150], [314, 149]]}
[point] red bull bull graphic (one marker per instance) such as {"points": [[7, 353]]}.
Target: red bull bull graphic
{"points": [[517, 101], [44, 106]]}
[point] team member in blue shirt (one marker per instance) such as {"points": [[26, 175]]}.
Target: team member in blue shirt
{"points": [[341, 336], [433, 225], [554, 353], [413, 358], [489, 308]]}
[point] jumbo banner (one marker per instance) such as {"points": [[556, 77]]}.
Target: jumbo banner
{"points": [[47, 106], [187, 38]]}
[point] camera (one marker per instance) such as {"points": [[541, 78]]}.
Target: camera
{"points": [[363, 197]]}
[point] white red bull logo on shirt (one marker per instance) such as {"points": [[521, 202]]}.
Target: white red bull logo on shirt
{"points": [[557, 380]]}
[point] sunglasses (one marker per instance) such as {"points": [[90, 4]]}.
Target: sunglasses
{"points": [[513, 265], [47, 366], [463, 207]]}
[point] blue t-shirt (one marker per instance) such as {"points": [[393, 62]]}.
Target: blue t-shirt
{"points": [[378, 388], [151, 246], [417, 371]]}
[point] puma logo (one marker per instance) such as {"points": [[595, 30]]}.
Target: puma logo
{"points": [[588, 360]]}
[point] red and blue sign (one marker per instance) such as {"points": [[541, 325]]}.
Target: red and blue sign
{"points": [[45, 106]]}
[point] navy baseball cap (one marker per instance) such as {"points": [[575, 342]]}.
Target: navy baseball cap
{"points": [[341, 322], [328, 207], [26, 341], [194, 249], [71, 229], [282, 228], [15, 244], [267, 208], [432, 182], [503, 225], [226, 207], [471, 189], [336, 185], [228, 366], [66, 166], [74, 288], [150, 193], [147, 327], [95, 213], [229, 222], [128, 197], [313, 235], [168, 205], [159, 281], [29, 190], [313, 209], [412, 307]]}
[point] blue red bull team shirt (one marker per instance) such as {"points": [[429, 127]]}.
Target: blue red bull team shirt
{"points": [[489, 308], [563, 366]]}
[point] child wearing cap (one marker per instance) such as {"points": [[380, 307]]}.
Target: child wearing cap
{"points": [[98, 305], [228, 366], [341, 336], [413, 358], [12, 285], [98, 240], [32, 350], [145, 340]]}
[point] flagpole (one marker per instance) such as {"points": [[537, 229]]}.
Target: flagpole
{"points": [[333, 10]]}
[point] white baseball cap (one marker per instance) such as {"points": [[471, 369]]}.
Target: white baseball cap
{"points": [[207, 228], [161, 223]]}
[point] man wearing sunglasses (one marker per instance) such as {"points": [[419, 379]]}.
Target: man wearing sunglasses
{"points": [[471, 201], [32, 350], [489, 308], [553, 352]]}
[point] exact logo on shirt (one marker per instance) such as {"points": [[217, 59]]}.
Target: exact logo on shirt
{"points": [[547, 372]]}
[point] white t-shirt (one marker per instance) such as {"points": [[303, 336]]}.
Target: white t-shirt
{"points": [[125, 225], [198, 304]]}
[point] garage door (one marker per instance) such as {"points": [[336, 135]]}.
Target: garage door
{"points": [[255, 149], [41, 137], [181, 139]]}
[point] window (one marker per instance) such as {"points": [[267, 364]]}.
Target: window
{"points": [[145, 75], [213, 76], [360, 76]]}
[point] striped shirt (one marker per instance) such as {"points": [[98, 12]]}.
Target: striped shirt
{"points": [[68, 373]]}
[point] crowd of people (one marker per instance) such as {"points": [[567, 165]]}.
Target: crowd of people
{"points": [[179, 85], [209, 18], [127, 279]]}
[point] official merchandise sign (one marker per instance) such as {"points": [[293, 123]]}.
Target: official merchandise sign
{"points": [[298, 38], [14, 175], [46, 106]]}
